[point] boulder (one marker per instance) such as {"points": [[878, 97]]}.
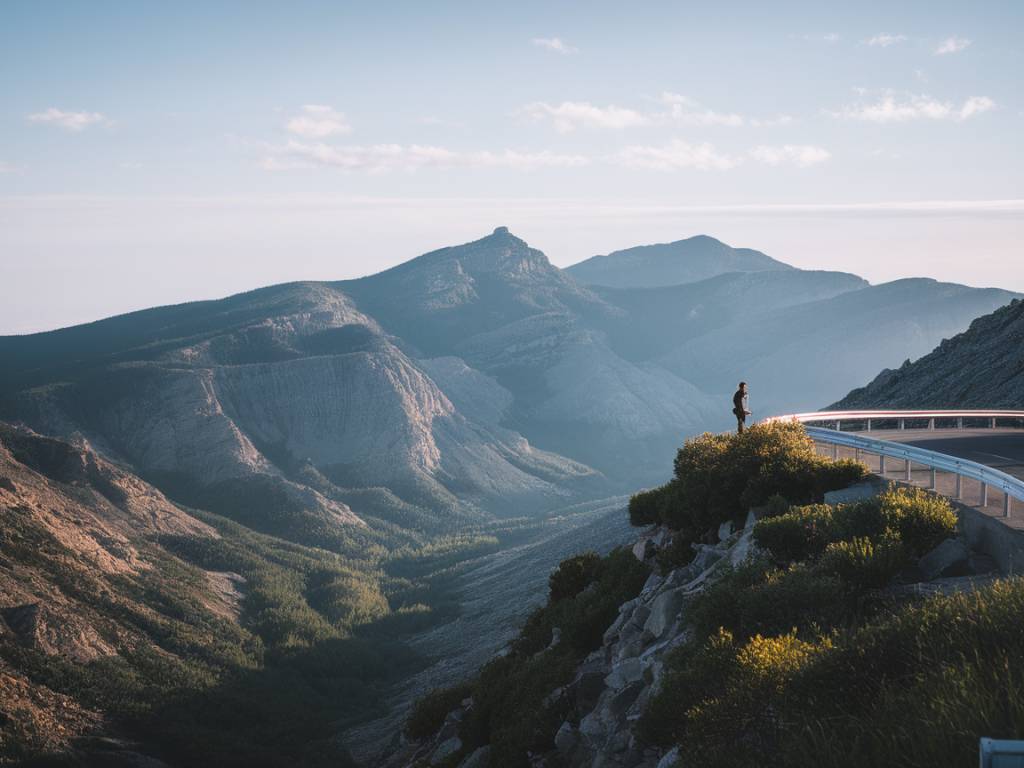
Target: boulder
{"points": [[643, 549], [480, 758], [664, 611], [865, 489], [725, 530], [588, 685], [640, 615], [670, 758], [742, 548], [706, 557], [445, 749], [653, 582], [566, 739], [620, 701], [950, 556], [625, 672]]}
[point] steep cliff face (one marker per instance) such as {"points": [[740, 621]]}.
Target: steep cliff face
{"points": [[225, 418], [983, 367]]}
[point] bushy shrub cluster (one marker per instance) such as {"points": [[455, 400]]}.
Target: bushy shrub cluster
{"points": [[916, 519], [429, 712], [717, 477], [573, 575], [914, 686], [794, 661]]}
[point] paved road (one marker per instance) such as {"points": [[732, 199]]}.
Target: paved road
{"points": [[1001, 449]]}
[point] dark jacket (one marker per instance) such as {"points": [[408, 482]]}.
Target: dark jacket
{"points": [[739, 403]]}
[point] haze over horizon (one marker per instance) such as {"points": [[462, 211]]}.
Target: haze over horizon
{"points": [[142, 164]]}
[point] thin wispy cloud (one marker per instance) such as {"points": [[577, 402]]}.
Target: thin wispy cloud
{"points": [[952, 45], [6, 167], [378, 158], [318, 121], [69, 121], [439, 122], [772, 122], [828, 37], [685, 110], [570, 115], [554, 44], [883, 40], [673, 108], [800, 155], [893, 108], [676, 155]]}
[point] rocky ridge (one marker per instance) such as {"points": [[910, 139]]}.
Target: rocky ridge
{"points": [[983, 367]]}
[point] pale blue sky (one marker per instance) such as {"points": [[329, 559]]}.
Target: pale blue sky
{"points": [[161, 152]]}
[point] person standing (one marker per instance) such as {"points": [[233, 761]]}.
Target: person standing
{"points": [[739, 407]]}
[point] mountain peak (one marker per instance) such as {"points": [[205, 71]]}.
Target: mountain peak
{"points": [[500, 231], [682, 261]]}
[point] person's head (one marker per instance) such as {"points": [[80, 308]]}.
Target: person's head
{"points": [[743, 386]]}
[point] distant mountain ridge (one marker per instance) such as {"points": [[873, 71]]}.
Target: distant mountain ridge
{"points": [[472, 381], [983, 367], [683, 261]]}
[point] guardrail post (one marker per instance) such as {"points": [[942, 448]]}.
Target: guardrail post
{"points": [[992, 422], [881, 464], [984, 494], [907, 470], [869, 425], [835, 452], [959, 422], [902, 423], [839, 426], [1006, 503], [931, 423], [959, 487], [856, 454], [932, 486]]}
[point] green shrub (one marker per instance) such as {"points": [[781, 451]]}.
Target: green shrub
{"points": [[645, 507], [923, 519], [915, 518], [428, 714], [573, 575], [757, 598], [718, 477], [677, 553], [776, 505], [693, 672], [800, 533], [861, 563]]}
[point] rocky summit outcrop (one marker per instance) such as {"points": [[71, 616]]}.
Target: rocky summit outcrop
{"points": [[983, 367]]}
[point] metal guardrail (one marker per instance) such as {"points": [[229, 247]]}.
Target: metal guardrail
{"points": [[1009, 486]]}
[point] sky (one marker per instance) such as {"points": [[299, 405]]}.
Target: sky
{"points": [[155, 153]]}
